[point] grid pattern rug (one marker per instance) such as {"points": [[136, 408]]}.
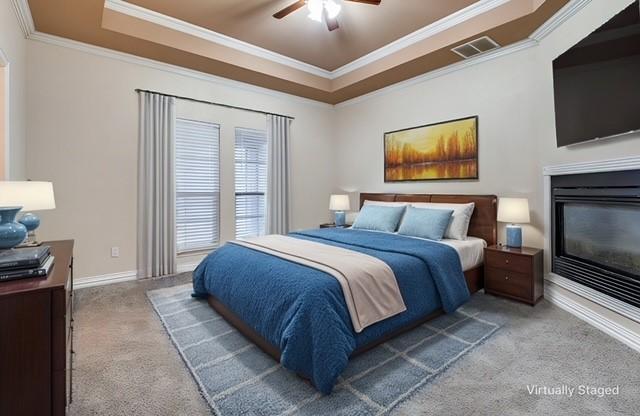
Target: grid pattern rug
{"points": [[237, 378]]}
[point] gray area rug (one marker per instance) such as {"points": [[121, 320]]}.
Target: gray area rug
{"points": [[237, 378]]}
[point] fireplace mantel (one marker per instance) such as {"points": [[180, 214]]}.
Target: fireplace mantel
{"points": [[610, 165], [628, 311]]}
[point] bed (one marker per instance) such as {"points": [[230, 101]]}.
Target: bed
{"points": [[298, 314]]}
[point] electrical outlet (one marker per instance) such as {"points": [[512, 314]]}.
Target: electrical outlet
{"points": [[115, 251]]}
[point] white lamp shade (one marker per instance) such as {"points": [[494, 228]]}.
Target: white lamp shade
{"points": [[513, 210], [339, 203], [30, 195]]}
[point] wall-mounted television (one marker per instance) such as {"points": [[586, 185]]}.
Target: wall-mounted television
{"points": [[597, 82]]}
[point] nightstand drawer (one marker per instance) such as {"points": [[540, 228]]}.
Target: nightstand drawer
{"points": [[508, 282], [507, 261]]}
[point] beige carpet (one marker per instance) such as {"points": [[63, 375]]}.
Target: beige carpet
{"points": [[126, 365]]}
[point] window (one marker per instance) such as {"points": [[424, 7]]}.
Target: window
{"points": [[197, 185], [251, 182]]}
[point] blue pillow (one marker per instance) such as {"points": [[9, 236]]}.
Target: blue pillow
{"points": [[379, 218], [425, 222]]}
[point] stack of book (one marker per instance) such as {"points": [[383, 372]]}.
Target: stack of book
{"points": [[23, 263]]}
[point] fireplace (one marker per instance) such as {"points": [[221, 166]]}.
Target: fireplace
{"points": [[596, 231]]}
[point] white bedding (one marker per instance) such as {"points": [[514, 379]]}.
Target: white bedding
{"points": [[470, 251]]}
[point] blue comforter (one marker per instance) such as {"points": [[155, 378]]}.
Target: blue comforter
{"points": [[302, 310]]}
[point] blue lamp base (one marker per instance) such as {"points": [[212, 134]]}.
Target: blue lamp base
{"points": [[340, 218], [31, 222], [12, 233], [514, 236]]}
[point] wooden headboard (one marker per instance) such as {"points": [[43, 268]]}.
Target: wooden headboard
{"points": [[483, 223]]}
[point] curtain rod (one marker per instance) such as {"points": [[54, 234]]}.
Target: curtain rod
{"points": [[214, 103]]}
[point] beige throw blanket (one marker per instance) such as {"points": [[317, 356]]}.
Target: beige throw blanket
{"points": [[369, 286]]}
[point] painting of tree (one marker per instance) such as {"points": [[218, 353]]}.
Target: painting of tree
{"points": [[447, 150]]}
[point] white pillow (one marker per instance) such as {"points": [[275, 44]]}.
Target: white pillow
{"points": [[385, 203], [459, 224]]}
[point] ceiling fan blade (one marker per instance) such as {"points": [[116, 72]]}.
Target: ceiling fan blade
{"points": [[373, 2], [289, 9], [332, 24]]}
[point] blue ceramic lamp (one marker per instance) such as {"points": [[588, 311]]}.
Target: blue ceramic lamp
{"points": [[339, 204], [28, 196], [12, 233], [514, 211]]}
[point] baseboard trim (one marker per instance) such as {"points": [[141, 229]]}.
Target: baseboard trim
{"points": [[187, 267], [606, 301], [104, 279], [606, 325], [112, 278]]}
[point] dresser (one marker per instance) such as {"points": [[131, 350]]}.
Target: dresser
{"points": [[515, 273], [36, 339]]}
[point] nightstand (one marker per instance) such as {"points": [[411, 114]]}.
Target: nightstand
{"points": [[332, 225], [36, 339], [514, 273]]}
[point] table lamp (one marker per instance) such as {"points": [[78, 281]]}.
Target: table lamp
{"points": [[30, 196], [339, 204], [513, 211]]}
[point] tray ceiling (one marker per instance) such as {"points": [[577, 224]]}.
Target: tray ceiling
{"points": [[363, 28], [375, 46]]}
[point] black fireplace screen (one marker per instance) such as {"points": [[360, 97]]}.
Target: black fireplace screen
{"points": [[607, 235]]}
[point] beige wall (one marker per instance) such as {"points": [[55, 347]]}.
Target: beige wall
{"points": [[498, 91], [14, 47], [585, 22], [83, 121], [513, 97], [83, 137], [3, 134]]}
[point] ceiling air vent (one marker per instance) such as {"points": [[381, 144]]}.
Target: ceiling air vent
{"points": [[476, 47]]}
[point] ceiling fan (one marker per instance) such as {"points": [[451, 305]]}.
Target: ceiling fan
{"points": [[321, 9]]}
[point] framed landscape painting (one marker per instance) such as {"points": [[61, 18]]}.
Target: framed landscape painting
{"points": [[446, 150]]}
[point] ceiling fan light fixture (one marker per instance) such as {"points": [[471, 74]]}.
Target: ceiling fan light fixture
{"points": [[333, 9], [321, 10], [315, 8]]}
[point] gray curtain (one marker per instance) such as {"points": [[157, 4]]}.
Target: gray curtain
{"points": [[278, 190], [156, 186]]}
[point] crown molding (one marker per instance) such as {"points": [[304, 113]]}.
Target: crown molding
{"points": [[169, 22], [447, 22], [26, 22], [478, 59], [561, 16], [133, 59], [161, 66], [23, 13], [549, 26], [469, 12]]}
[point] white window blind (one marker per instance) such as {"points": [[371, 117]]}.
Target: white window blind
{"points": [[251, 181], [197, 185]]}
